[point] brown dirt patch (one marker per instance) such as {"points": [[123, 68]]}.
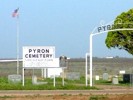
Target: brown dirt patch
{"points": [[70, 97]]}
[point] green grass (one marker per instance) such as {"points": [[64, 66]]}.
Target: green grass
{"points": [[105, 82], [69, 85], [98, 97], [43, 87], [5, 97]]}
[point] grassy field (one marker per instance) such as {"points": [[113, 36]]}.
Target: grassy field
{"points": [[100, 66], [69, 85]]}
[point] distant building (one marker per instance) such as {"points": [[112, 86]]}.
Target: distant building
{"points": [[109, 57]]}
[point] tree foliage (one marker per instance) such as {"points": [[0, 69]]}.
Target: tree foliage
{"points": [[121, 39]]}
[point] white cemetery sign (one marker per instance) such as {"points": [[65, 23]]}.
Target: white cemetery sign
{"points": [[39, 57]]}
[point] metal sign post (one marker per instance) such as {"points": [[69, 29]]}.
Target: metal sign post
{"points": [[86, 69], [23, 76], [63, 77], [54, 80]]}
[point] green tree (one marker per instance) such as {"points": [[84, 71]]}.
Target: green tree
{"points": [[121, 39]]}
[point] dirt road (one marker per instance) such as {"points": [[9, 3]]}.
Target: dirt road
{"points": [[112, 93], [108, 94], [67, 92]]}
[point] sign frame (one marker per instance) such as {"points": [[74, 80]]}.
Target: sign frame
{"points": [[39, 57], [39, 50]]}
